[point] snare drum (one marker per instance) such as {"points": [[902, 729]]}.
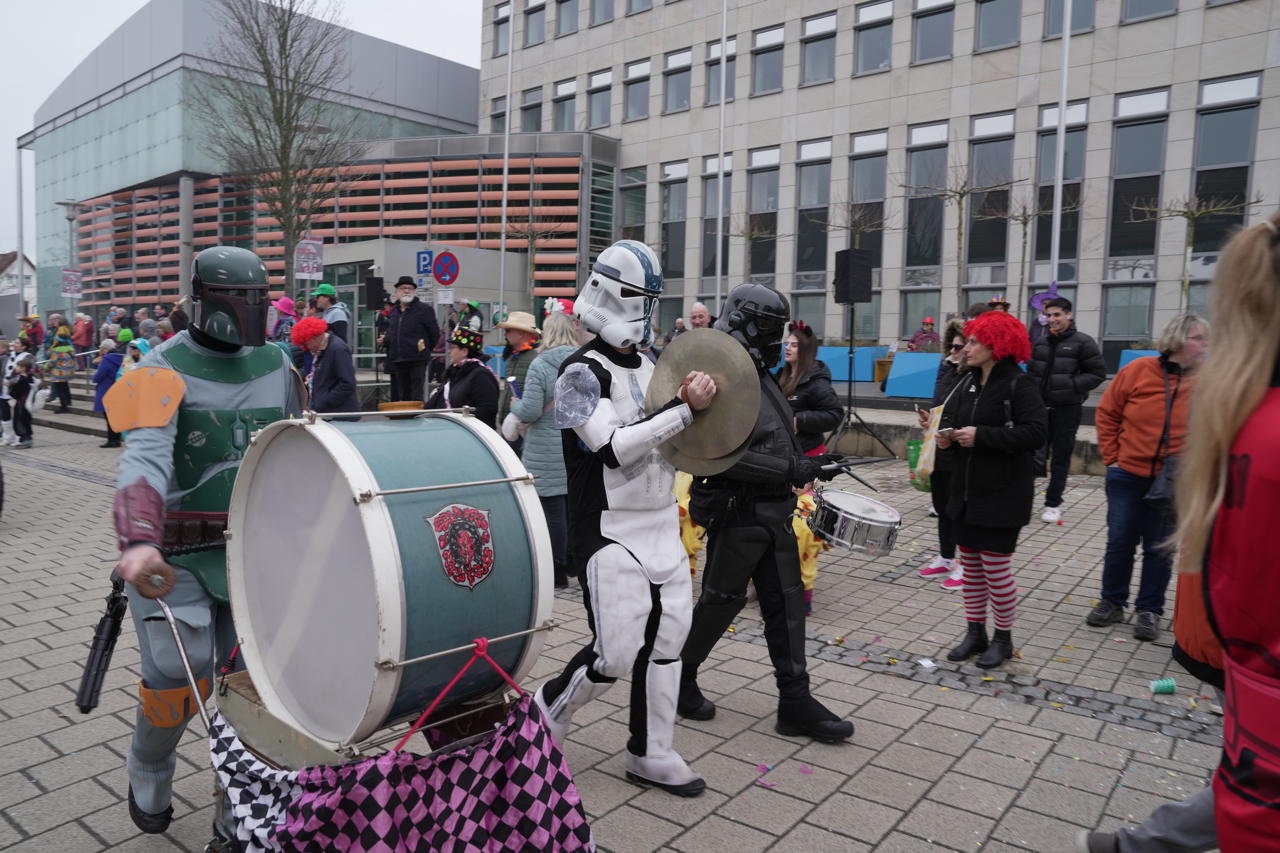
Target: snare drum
{"points": [[359, 544], [850, 521]]}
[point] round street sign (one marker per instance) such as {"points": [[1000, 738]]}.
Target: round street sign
{"points": [[446, 268]]}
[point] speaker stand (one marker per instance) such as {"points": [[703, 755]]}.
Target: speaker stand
{"points": [[850, 413]]}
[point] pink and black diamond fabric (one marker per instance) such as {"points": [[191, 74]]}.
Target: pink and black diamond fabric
{"points": [[510, 792]]}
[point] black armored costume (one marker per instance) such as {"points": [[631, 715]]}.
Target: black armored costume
{"points": [[747, 511]]}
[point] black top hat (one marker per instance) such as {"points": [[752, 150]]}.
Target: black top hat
{"points": [[404, 279]]}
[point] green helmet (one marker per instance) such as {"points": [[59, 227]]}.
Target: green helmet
{"points": [[230, 286]]}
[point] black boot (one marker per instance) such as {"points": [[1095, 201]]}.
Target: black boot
{"points": [[561, 579], [808, 717], [152, 824], [974, 642], [1001, 650], [692, 705]]}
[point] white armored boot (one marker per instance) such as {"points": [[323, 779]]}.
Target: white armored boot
{"points": [[559, 714], [661, 765]]}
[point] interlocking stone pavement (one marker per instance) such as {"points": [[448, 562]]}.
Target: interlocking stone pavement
{"points": [[944, 758]]}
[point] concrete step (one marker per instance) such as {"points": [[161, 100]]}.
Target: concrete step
{"points": [[85, 424]]}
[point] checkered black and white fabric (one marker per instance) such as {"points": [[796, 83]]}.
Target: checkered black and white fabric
{"points": [[512, 791]]}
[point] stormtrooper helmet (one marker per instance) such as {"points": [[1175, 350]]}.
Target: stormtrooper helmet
{"points": [[617, 301]]}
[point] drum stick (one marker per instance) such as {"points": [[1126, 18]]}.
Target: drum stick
{"points": [[844, 466]]}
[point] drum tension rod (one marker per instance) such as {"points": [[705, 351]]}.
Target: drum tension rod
{"points": [[368, 494], [549, 625]]}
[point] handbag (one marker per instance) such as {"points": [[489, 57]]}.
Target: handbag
{"points": [[1163, 484]]}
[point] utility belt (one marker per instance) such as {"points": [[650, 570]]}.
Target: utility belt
{"points": [[715, 505], [184, 528]]}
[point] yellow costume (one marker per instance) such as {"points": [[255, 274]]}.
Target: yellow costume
{"points": [[690, 533], [810, 546]]}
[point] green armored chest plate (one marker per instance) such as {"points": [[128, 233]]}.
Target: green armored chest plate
{"points": [[207, 453], [257, 363]]}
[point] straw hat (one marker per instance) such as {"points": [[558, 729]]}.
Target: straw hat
{"points": [[521, 321]]}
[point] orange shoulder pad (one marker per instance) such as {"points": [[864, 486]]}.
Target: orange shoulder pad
{"points": [[144, 397]]}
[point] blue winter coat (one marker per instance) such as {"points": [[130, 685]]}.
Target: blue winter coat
{"points": [[105, 377], [333, 379], [543, 454]]}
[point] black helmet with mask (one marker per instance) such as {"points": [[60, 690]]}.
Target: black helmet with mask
{"points": [[229, 286], [756, 315]]}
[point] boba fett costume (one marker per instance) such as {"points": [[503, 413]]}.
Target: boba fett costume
{"points": [[189, 408]]}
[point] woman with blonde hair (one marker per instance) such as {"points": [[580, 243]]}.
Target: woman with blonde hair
{"points": [[1227, 494], [543, 454]]}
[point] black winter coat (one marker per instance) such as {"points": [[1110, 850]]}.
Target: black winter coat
{"points": [[405, 328], [1066, 367], [993, 482], [333, 379], [948, 377], [816, 407], [470, 384]]}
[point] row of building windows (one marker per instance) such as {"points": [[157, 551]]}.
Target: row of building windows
{"points": [[997, 26], [1227, 122], [985, 191]]}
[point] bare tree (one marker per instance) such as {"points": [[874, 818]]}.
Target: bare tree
{"points": [[529, 232], [956, 191], [1192, 209], [1025, 212], [856, 219], [270, 115]]}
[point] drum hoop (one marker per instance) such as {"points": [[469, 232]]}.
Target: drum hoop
{"points": [[380, 537], [535, 524], [845, 511]]}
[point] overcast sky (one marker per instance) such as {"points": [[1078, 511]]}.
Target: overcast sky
{"points": [[46, 39]]}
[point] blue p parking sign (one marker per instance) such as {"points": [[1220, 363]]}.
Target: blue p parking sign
{"points": [[424, 262]]}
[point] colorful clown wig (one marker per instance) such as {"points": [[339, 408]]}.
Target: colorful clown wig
{"points": [[306, 329], [1002, 333]]}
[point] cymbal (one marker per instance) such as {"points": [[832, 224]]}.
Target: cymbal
{"points": [[718, 430], [701, 467]]}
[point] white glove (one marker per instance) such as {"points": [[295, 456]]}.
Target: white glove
{"points": [[511, 427]]}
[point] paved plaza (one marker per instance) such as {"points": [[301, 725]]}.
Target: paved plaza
{"points": [[1065, 736]]}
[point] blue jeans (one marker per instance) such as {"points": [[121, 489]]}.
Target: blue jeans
{"points": [[1130, 521]]}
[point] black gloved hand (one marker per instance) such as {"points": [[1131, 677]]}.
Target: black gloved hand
{"points": [[805, 469], [828, 459]]}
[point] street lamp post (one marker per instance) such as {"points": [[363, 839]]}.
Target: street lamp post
{"points": [[72, 210]]}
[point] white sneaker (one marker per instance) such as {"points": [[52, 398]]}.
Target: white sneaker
{"points": [[1051, 515]]}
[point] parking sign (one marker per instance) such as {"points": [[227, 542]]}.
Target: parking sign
{"points": [[424, 262]]}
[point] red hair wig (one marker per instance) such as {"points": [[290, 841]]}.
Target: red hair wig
{"points": [[306, 329], [1002, 333]]}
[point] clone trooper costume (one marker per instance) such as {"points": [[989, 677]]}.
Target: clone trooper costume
{"points": [[624, 525], [748, 512], [190, 407]]}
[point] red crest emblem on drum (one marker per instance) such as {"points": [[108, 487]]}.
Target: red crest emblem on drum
{"points": [[465, 543]]}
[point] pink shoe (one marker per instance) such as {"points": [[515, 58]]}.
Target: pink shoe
{"points": [[952, 583], [937, 566]]}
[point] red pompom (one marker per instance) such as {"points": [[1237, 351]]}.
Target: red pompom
{"points": [[306, 329], [1002, 333]]}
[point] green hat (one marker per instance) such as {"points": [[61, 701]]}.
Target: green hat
{"points": [[324, 290], [125, 336]]}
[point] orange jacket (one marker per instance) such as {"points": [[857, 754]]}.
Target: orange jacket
{"points": [[1130, 417], [1195, 646]]}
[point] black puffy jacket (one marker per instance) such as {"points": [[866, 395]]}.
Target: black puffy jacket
{"points": [[816, 407], [1066, 367], [993, 482], [470, 384]]}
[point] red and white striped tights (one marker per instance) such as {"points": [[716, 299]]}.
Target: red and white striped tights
{"points": [[988, 575]]}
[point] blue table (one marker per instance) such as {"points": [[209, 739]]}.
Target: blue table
{"points": [[864, 362], [1129, 355]]}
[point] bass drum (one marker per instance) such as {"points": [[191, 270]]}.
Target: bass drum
{"points": [[332, 580]]}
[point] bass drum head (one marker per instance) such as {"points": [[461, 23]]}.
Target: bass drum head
{"points": [[304, 592]]}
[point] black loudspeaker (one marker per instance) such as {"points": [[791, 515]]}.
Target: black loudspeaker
{"points": [[853, 276], [375, 295]]}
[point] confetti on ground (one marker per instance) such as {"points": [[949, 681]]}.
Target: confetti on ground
{"points": [[876, 640], [764, 768], [988, 678], [806, 769], [927, 663], [765, 784], [732, 630]]}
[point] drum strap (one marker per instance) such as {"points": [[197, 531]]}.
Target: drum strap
{"points": [[481, 650]]}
